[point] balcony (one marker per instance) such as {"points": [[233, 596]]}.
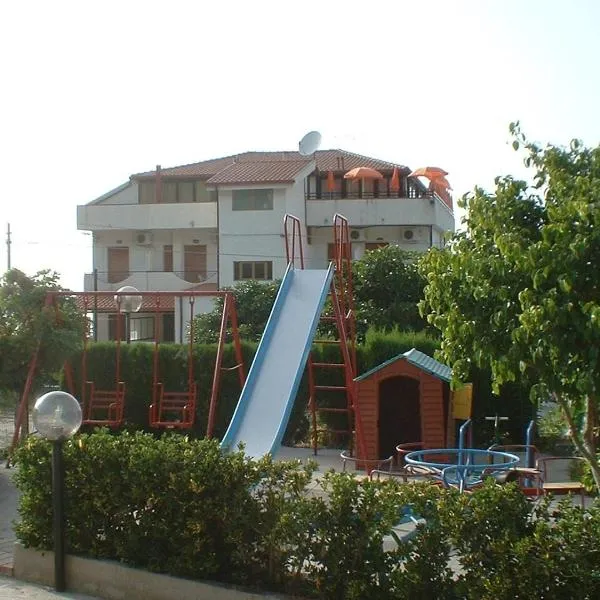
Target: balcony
{"points": [[363, 209], [201, 215], [147, 281]]}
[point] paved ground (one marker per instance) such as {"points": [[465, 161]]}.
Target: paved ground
{"points": [[17, 590], [8, 513]]}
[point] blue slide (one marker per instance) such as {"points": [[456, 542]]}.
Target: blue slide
{"points": [[263, 411]]}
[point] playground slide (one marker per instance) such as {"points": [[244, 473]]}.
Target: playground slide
{"points": [[263, 411]]}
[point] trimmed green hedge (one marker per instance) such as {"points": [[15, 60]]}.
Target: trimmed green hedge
{"points": [[136, 369], [181, 506]]}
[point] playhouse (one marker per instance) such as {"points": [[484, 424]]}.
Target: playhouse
{"points": [[405, 399]]}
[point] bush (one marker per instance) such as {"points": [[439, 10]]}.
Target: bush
{"points": [[180, 506]]}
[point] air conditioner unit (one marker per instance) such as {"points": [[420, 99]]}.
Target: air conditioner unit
{"points": [[143, 238], [357, 235], [411, 235]]}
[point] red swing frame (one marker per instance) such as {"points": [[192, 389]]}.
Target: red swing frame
{"points": [[112, 402]]}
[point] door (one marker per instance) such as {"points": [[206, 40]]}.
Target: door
{"points": [[194, 263], [118, 264], [399, 414]]}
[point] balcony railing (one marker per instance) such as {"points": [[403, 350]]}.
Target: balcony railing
{"points": [[367, 195], [148, 280]]}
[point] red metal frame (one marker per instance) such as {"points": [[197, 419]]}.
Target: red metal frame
{"points": [[341, 295], [102, 408], [296, 232], [173, 410], [112, 401]]}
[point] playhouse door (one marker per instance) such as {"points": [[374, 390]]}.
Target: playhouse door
{"points": [[399, 414]]}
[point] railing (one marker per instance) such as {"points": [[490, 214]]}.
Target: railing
{"points": [[368, 195], [116, 277]]}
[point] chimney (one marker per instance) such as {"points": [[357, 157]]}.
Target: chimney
{"points": [[158, 185]]}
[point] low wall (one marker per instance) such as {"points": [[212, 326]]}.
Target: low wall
{"points": [[113, 581]]}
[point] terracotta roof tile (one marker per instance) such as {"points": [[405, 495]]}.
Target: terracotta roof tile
{"points": [[107, 304], [326, 160], [260, 172]]}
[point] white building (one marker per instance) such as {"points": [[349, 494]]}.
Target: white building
{"points": [[207, 225]]}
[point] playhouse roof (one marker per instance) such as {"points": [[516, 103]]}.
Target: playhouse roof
{"points": [[419, 360]]}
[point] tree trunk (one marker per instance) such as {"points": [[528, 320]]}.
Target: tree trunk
{"points": [[584, 443]]}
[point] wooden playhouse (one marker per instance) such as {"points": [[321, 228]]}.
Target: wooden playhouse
{"points": [[405, 399]]}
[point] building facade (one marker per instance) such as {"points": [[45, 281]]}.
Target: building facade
{"points": [[208, 225]]}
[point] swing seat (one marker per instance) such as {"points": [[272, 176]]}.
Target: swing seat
{"points": [[173, 410], [104, 407]]}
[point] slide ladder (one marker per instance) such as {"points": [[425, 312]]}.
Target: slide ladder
{"points": [[338, 320]]}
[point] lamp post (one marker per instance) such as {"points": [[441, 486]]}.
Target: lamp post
{"points": [[127, 301], [57, 417]]}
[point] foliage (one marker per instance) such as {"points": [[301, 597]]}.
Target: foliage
{"points": [[26, 322], [387, 289], [253, 302], [516, 290], [180, 506]]}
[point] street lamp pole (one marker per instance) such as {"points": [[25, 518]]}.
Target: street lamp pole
{"points": [[57, 416], [58, 525]]}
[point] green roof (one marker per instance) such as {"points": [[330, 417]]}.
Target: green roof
{"points": [[419, 360]]}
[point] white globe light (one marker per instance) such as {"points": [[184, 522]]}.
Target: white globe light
{"points": [[129, 303], [57, 415]]}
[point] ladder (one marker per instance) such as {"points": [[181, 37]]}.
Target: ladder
{"points": [[339, 318]]}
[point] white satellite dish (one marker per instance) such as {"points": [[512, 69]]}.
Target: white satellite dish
{"points": [[310, 143]]}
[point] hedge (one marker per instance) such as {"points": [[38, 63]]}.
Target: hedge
{"points": [[180, 506], [136, 370]]}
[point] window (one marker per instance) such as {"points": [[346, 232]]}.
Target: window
{"points": [[194, 263], [252, 200], [253, 270], [168, 327], [147, 192], [116, 326], [118, 264], [176, 192], [168, 259], [141, 329]]}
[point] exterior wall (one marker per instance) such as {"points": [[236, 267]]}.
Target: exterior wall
{"points": [[256, 235], [433, 425], [147, 216], [320, 237], [124, 194], [381, 211]]}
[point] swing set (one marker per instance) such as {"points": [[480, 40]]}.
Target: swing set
{"points": [[169, 409]]}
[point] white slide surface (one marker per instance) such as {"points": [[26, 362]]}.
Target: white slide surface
{"points": [[263, 411]]}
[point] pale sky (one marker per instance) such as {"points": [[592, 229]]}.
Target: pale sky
{"points": [[92, 92]]}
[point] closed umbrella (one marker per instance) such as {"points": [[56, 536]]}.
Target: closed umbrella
{"points": [[395, 181]]}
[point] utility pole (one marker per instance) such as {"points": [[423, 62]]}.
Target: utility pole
{"points": [[8, 243]]}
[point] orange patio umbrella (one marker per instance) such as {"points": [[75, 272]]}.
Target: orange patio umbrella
{"points": [[395, 181], [330, 182], [429, 172], [363, 173], [441, 182]]}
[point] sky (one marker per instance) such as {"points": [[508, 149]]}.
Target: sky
{"points": [[92, 92]]}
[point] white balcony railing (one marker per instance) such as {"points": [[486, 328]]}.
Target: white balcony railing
{"points": [[147, 281], [147, 216], [429, 210]]}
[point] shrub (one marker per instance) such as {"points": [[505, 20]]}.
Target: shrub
{"points": [[180, 506]]}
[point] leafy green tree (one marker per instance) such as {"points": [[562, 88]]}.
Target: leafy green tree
{"points": [[518, 290], [253, 302], [26, 323], [387, 289]]}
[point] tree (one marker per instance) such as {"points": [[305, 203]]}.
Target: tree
{"points": [[518, 291], [253, 302], [388, 288], [26, 322]]}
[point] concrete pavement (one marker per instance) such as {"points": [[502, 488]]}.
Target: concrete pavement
{"points": [[11, 589], [8, 513]]}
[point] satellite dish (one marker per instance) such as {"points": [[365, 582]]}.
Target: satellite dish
{"points": [[310, 143]]}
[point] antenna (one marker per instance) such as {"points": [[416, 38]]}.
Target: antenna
{"points": [[310, 143]]}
